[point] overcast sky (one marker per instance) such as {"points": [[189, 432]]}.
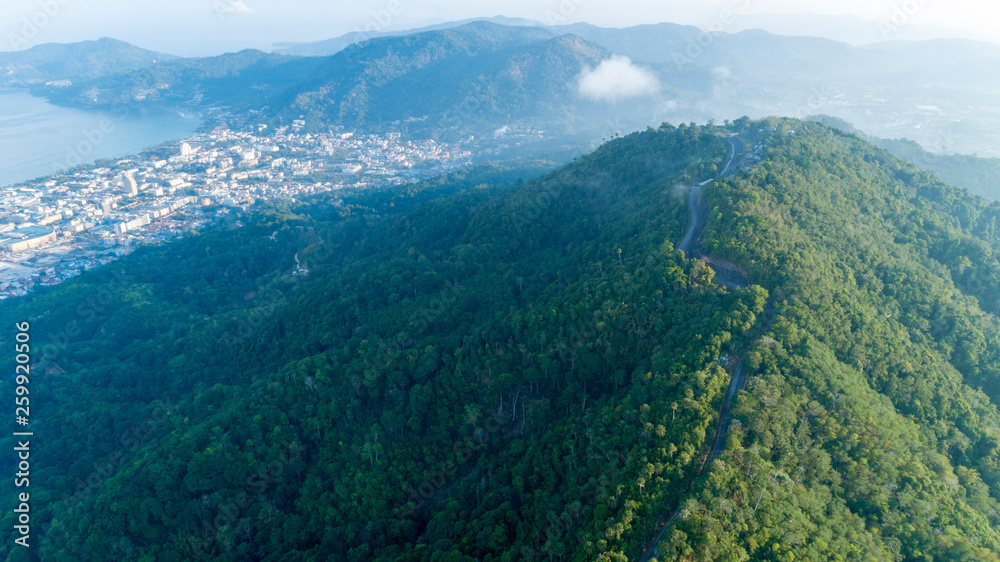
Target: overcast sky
{"points": [[207, 27]]}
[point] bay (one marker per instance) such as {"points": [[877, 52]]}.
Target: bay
{"points": [[38, 138]]}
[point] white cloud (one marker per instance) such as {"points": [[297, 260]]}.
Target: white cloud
{"points": [[617, 79], [237, 7], [722, 72]]}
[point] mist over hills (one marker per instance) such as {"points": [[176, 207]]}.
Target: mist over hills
{"points": [[848, 29], [333, 46], [74, 61], [473, 78], [935, 92]]}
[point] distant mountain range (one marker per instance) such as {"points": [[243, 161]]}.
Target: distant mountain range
{"points": [[333, 46], [849, 29], [473, 78], [846, 29], [73, 61], [464, 80]]}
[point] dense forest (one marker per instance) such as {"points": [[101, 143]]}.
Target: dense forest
{"points": [[977, 174], [497, 366]]}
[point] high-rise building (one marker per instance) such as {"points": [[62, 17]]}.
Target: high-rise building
{"points": [[130, 187], [186, 150]]}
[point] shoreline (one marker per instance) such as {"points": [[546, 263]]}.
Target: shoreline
{"points": [[83, 147]]}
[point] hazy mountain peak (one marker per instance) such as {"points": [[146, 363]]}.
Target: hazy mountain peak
{"points": [[71, 61]]}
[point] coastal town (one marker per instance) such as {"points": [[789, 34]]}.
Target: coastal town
{"points": [[57, 227]]}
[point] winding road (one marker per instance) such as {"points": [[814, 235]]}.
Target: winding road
{"points": [[729, 275], [738, 148]]}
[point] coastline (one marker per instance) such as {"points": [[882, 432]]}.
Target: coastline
{"points": [[39, 138]]}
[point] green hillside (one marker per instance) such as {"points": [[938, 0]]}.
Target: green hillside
{"points": [[472, 78], [444, 83], [491, 366], [232, 80], [979, 175], [73, 61]]}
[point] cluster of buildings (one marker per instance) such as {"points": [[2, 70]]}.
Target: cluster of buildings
{"points": [[55, 228]]}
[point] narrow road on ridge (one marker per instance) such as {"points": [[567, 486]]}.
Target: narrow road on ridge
{"points": [[729, 275]]}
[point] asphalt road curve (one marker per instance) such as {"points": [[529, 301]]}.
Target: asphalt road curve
{"points": [[729, 275]]}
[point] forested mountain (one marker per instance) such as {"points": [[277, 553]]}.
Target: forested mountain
{"points": [[495, 366], [477, 77], [469, 79], [73, 61], [241, 81], [333, 46], [709, 72], [979, 175]]}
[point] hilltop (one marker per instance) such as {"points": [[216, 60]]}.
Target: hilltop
{"points": [[58, 62], [498, 366]]}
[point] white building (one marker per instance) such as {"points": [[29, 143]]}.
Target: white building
{"points": [[131, 188]]}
